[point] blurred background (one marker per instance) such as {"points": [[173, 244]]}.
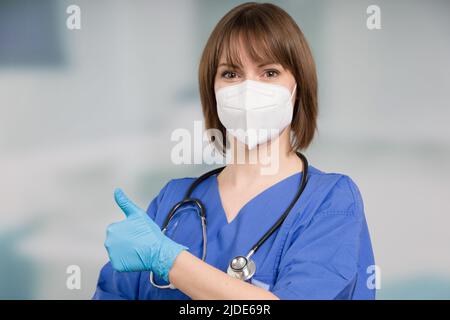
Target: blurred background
{"points": [[84, 111]]}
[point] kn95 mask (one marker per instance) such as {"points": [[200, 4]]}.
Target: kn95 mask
{"points": [[255, 112]]}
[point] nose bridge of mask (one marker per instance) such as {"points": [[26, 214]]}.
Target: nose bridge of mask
{"points": [[264, 89], [257, 95], [245, 90], [260, 96]]}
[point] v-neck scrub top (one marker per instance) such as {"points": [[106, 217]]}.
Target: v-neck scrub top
{"points": [[321, 251]]}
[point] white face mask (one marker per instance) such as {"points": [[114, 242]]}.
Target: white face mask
{"points": [[255, 112]]}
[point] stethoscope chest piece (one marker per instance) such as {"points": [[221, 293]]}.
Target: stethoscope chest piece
{"points": [[241, 268]]}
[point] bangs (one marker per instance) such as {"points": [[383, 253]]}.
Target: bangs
{"points": [[263, 44]]}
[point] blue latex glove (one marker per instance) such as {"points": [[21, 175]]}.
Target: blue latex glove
{"points": [[137, 243]]}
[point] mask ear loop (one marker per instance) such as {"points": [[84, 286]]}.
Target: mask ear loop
{"points": [[293, 91]]}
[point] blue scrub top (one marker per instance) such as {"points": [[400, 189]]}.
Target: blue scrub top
{"points": [[321, 251]]}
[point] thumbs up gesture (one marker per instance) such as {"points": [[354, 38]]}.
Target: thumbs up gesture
{"points": [[137, 243]]}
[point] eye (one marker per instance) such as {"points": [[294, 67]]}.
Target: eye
{"points": [[229, 75], [272, 73]]}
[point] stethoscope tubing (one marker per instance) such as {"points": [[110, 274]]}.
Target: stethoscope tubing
{"points": [[202, 213]]}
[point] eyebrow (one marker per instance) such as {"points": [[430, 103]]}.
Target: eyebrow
{"points": [[229, 65], [267, 63]]}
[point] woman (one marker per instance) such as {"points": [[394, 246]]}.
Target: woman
{"points": [[256, 73]]}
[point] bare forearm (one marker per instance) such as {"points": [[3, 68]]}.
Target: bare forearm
{"points": [[199, 280]]}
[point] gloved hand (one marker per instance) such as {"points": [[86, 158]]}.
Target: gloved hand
{"points": [[137, 243]]}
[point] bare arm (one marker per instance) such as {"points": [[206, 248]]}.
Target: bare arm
{"points": [[201, 281]]}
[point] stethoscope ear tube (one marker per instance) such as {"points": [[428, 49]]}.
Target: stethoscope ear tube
{"points": [[165, 286], [171, 214], [291, 205], [246, 267], [174, 209]]}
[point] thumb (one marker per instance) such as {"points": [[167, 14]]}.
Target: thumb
{"points": [[127, 206]]}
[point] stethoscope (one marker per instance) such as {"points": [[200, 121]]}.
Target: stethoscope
{"points": [[240, 267]]}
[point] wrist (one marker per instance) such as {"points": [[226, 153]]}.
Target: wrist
{"points": [[168, 252], [179, 266]]}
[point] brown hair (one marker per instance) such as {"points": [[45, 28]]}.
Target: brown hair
{"points": [[269, 34]]}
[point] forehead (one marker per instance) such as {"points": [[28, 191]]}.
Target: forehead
{"points": [[249, 47]]}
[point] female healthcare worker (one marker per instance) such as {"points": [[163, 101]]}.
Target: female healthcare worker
{"points": [[311, 236]]}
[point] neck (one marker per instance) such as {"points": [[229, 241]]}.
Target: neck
{"points": [[271, 161]]}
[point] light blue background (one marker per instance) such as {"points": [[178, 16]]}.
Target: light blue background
{"points": [[82, 112]]}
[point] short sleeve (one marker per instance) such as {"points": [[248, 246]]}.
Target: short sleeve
{"points": [[321, 261], [114, 285]]}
